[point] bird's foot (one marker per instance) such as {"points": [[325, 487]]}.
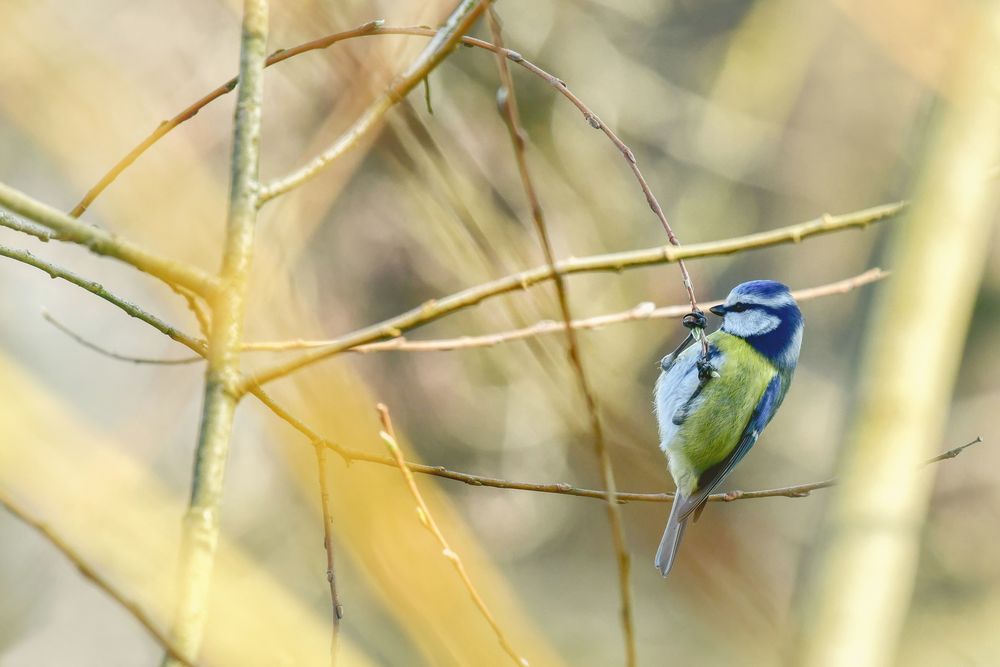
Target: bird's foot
{"points": [[695, 320], [706, 370]]}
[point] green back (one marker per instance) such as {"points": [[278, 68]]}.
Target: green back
{"points": [[712, 431]]}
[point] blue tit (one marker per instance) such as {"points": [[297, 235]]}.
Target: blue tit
{"points": [[710, 417]]}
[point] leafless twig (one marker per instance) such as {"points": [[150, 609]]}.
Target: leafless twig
{"points": [[458, 23], [427, 519], [114, 355], [94, 576], [336, 610], [507, 101], [643, 311], [437, 308], [564, 489]]}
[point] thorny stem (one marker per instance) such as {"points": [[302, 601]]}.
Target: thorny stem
{"points": [[388, 436], [201, 522], [507, 101]]}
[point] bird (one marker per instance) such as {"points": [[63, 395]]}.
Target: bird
{"points": [[711, 409]]}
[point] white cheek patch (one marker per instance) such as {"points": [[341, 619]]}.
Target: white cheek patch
{"points": [[750, 323]]}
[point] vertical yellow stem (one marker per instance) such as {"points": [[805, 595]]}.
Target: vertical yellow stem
{"points": [[857, 598], [201, 522]]}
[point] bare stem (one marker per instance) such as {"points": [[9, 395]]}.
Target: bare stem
{"points": [[427, 519], [622, 497], [99, 241], [641, 312], [507, 101], [201, 522], [437, 308], [96, 577], [336, 610], [97, 289], [474, 480], [444, 40]]}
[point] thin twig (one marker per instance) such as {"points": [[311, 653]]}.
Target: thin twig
{"points": [[952, 453], [565, 489], [458, 23], [437, 308], [349, 454], [507, 101], [40, 233], [195, 306], [131, 309], [96, 577], [427, 519], [200, 532], [114, 355], [102, 242], [641, 312], [336, 610]]}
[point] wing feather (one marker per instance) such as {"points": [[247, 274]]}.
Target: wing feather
{"points": [[759, 418]]}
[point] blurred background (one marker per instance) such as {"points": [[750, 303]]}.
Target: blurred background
{"points": [[745, 115]]}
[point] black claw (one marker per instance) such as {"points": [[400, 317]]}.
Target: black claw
{"points": [[706, 370], [695, 320]]}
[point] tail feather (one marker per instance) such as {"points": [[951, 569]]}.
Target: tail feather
{"points": [[672, 534]]}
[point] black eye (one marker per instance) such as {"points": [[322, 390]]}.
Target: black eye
{"points": [[737, 307]]}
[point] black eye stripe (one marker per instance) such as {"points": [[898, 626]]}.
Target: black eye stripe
{"points": [[738, 307]]}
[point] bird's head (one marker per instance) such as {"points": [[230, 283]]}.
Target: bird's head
{"points": [[764, 313]]}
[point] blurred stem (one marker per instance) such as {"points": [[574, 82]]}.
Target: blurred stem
{"points": [[856, 600], [388, 436], [507, 101], [94, 576], [201, 522], [440, 47]]}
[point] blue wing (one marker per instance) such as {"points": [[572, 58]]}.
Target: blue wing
{"points": [[711, 478]]}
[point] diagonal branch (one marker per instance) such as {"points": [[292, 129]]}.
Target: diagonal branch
{"points": [[437, 308], [427, 519], [349, 454], [459, 22], [96, 577], [97, 289], [100, 242]]}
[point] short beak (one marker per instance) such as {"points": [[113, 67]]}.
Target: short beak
{"points": [[718, 310]]}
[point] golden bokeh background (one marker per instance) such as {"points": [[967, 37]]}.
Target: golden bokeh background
{"points": [[744, 116]]}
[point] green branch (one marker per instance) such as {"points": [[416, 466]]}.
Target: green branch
{"points": [[201, 522]]}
